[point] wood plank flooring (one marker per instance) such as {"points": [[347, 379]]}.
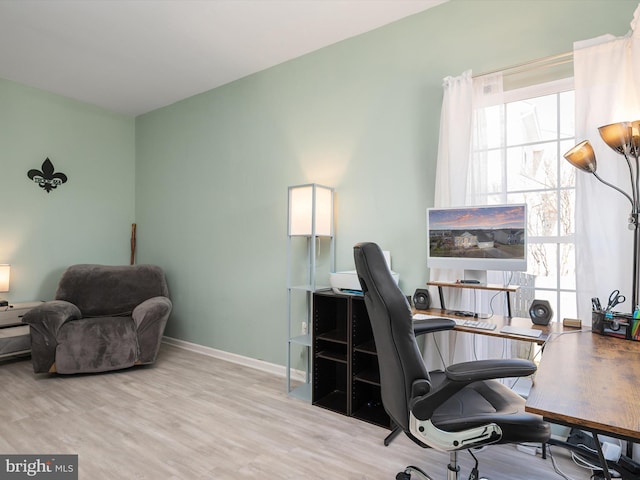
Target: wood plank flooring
{"points": [[194, 417]]}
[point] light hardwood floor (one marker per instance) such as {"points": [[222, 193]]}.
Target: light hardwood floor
{"points": [[194, 417]]}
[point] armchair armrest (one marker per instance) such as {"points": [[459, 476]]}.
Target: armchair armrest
{"points": [[52, 315], [45, 321], [150, 318], [150, 311], [460, 375]]}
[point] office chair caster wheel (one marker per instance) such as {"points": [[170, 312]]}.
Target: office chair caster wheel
{"points": [[406, 475]]}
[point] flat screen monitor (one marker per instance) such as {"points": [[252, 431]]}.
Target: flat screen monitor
{"points": [[477, 239]]}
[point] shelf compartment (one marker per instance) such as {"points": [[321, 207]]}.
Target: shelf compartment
{"points": [[330, 384], [371, 376], [365, 368], [367, 405], [338, 336], [366, 347], [335, 401], [330, 317], [332, 355]]}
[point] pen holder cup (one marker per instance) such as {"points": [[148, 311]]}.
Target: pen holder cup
{"points": [[614, 324]]}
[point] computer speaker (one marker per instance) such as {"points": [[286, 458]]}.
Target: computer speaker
{"points": [[422, 299], [540, 312]]}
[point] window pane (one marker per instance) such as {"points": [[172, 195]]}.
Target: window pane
{"points": [[542, 263], [567, 306], [567, 209], [542, 214], [532, 167], [532, 120], [567, 266]]}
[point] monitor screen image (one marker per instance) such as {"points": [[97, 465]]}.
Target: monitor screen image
{"points": [[492, 237]]}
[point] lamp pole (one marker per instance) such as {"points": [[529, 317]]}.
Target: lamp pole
{"points": [[624, 139]]}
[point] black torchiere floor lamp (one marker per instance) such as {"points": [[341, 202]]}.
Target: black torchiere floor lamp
{"points": [[624, 138]]}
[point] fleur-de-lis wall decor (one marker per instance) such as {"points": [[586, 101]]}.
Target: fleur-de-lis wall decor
{"points": [[46, 178]]}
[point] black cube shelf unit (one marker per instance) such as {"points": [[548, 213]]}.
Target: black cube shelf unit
{"points": [[346, 378]]}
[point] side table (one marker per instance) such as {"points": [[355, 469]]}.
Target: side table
{"points": [[14, 335]]}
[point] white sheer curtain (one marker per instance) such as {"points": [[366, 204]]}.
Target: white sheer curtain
{"points": [[607, 85], [458, 183]]}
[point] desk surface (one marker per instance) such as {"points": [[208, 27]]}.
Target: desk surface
{"points": [[591, 381], [500, 321]]}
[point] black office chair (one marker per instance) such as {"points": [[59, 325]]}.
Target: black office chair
{"points": [[462, 407]]}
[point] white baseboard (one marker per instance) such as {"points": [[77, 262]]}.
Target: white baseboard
{"points": [[261, 365]]}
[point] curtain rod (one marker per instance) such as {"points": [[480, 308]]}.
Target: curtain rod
{"points": [[546, 62]]}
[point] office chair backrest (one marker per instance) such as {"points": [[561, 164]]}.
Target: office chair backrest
{"points": [[399, 358]]}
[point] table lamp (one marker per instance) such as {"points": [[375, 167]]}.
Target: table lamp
{"points": [[5, 273]]}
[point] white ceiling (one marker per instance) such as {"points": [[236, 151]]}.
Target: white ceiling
{"points": [[132, 56]]}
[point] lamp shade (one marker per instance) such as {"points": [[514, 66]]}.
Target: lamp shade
{"points": [[617, 136], [635, 136], [310, 210], [582, 157], [5, 273]]}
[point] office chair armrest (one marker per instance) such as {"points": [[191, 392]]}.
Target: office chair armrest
{"points": [[487, 369], [459, 375], [432, 325]]}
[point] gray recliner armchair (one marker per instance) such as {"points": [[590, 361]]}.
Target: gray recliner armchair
{"points": [[103, 318]]}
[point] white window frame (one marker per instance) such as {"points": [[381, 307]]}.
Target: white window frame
{"points": [[528, 292]]}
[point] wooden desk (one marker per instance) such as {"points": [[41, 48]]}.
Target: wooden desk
{"points": [[501, 321], [592, 382]]}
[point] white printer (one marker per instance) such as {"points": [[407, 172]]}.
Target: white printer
{"points": [[347, 282]]}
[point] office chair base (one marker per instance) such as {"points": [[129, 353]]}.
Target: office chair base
{"points": [[453, 471]]}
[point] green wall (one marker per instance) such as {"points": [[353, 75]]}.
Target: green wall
{"points": [[86, 220], [362, 116]]}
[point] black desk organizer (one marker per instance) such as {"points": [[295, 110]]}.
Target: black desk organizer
{"points": [[619, 325]]}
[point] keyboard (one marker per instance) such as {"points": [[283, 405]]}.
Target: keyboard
{"points": [[460, 322], [523, 331], [422, 316]]}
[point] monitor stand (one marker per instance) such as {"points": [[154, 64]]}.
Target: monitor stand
{"points": [[475, 276]]}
